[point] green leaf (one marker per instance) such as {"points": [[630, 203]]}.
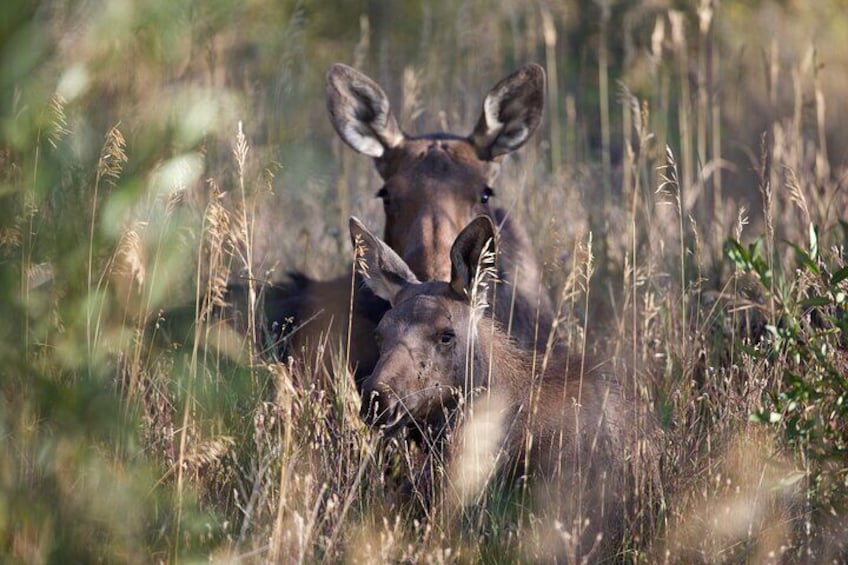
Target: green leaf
{"points": [[753, 352], [839, 276], [757, 418], [814, 241], [816, 301], [805, 258], [844, 225], [756, 248], [737, 254]]}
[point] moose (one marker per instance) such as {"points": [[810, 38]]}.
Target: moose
{"points": [[571, 426], [434, 184]]}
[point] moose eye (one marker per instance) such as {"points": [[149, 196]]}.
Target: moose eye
{"points": [[447, 337], [487, 193], [384, 195]]}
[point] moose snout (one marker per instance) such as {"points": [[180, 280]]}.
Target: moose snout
{"points": [[430, 238]]}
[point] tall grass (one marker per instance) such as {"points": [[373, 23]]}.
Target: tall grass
{"points": [[153, 153]]}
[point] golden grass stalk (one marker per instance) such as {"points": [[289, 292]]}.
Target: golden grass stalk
{"points": [[111, 162], [705, 18], [671, 188], [603, 93], [678, 40], [58, 121], [766, 173], [245, 234], [479, 299], [549, 33]]}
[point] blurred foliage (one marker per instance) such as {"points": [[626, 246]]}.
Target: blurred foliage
{"points": [[807, 344]]}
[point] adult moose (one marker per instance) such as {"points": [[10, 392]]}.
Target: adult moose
{"points": [[570, 426], [434, 184]]}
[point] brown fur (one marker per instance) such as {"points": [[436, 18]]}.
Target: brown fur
{"points": [[569, 426], [434, 185]]}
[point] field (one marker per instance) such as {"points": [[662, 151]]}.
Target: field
{"points": [[686, 193]]}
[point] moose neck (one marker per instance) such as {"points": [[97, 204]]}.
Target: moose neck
{"points": [[500, 365]]}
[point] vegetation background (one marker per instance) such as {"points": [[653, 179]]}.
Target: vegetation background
{"points": [[687, 193]]}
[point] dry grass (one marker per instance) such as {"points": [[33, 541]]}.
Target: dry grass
{"points": [[129, 436]]}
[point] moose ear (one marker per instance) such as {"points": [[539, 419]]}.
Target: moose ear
{"points": [[511, 112], [384, 271], [466, 252], [360, 112]]}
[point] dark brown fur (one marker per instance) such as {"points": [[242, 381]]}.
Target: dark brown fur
{"points": [[571, 424], [434, 185]]}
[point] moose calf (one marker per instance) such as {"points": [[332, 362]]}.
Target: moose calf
{"points": [[570, 426]]}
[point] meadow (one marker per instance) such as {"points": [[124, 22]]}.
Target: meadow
{"points": [[686, 194]]}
